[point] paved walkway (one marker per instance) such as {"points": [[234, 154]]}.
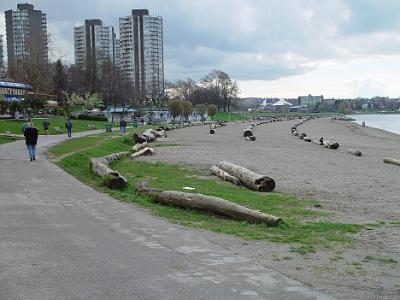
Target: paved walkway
{"points": [[60, 239]]}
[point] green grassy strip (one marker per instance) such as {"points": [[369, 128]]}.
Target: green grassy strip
{"points": [[78, 125], [301, 228], [224, 116], [8, 139]]}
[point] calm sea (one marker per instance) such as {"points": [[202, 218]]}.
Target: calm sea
{"points": [[388, 122]]}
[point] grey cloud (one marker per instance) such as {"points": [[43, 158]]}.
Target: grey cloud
{"points": [[250, 39]]}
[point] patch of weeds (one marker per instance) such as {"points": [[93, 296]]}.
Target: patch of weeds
{"points": [[336, 258], [303, 249], [386, 260], [165, 145]]}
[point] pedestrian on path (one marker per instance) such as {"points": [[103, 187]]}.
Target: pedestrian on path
{"points": [[46, 124], [31, 136], [122, 126], [68, 125]]}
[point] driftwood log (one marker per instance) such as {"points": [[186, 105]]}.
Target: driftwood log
{"points": [[249, 178], [113, 179], [224, 175], [139, 139], [137, 147], [207, 203], [150, 135], [330, 145], [145, 152], [248, 132], [392, 161], [354, 152]]}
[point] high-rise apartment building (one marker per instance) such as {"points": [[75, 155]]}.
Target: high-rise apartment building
{"points": [[117, 51], [26, 30], [94, 44], [2, 67], [141, 61]]}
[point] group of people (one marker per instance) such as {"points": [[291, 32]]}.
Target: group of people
{"points": [[31, 134]]}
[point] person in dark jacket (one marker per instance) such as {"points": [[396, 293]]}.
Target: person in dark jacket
{"points": [[68, 125], [46, 127], [31, 136], [122, 126]]}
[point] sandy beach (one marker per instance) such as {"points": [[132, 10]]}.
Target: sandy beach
{"points": [[357, 189]]}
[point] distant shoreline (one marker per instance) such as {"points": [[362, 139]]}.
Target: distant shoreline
{"points": [[388, 123]]}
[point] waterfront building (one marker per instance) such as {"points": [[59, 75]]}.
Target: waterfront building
{"points": [[26, 30], [141, 61], [310, 100]]}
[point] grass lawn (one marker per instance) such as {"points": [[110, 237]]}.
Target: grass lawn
{"points": [[303, 227], [8, 139], [224, 116], [78, 125]]}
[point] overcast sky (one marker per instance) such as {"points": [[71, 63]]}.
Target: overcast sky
{"points": [[274, 48]]}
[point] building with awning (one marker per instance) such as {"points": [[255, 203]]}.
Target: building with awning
{"points": [[14, 91]]}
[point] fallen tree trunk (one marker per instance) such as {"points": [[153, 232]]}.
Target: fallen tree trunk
{"points": [[330, 145], [224, 175], [207, 203], [150, 135], [137, 147], [354, 152], [139, 139], [248, 132], [251, 138], [392, 161], [112, 179], [249, 178], [145, 152]]}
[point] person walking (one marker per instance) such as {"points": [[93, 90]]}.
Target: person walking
{"points": [[122, 126], [31, 136], [46, 124], [68, 125]]}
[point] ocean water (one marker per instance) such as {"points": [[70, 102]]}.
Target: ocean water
{"points": [[388, 122]]}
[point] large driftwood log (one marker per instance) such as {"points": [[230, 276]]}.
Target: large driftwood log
{"points": [[113, 179], [139, 139], [392, 161], [249, 178], [330, 145], [150, 135], [354, 152], [224, 175], [248, 132], [137, 147], [145, 152], [251, 138], [207, 203]]}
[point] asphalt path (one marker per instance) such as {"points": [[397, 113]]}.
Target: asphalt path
{"points": [[60, 239]]}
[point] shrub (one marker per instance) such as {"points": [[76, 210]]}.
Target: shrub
{"points": [[92, 117]]}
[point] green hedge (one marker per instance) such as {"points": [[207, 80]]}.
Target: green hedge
{"points": [[92, 117]]}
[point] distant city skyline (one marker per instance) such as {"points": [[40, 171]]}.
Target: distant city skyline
{"points": [[341, 49]]}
